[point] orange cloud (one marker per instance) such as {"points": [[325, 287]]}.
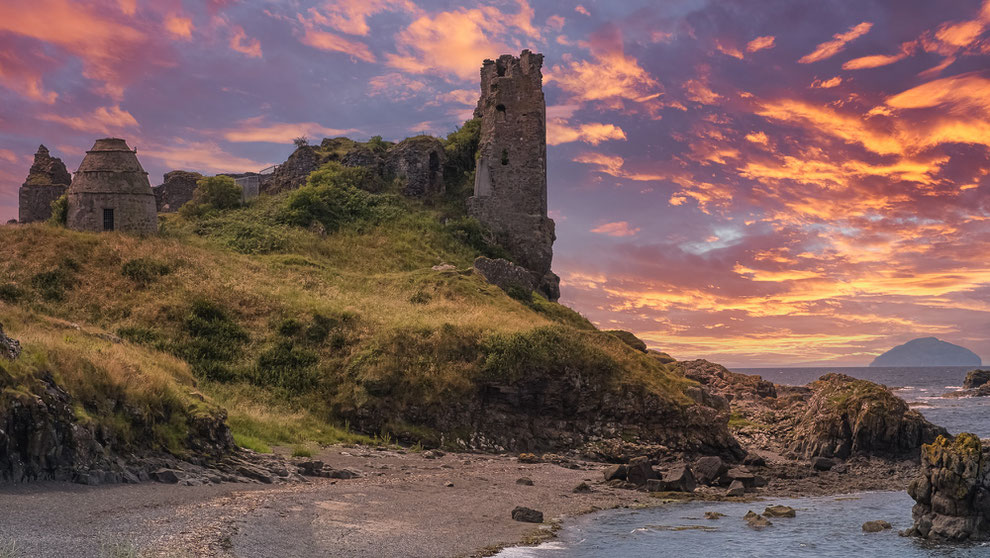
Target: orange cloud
{"points": [[614, 165], [758, 137], [242, 44], [700, 93], [618, 229], [181, 27], [838, 43], [559, 131], [257, 130], [610, 77], [828, 83], [104, 120], [582, 10], [24, 77], [456, 42], [396, 86], [874, 61], [760, 43], [728, 50]]}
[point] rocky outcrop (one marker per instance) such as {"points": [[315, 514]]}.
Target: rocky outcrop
{"points": [[952, 491], [846, 417], [417, 163], [629, 339], [928, 351], [731, 385], [505, 275], [292, 174], [177, 189], [47, 180], [10, 349], [976, 379]]}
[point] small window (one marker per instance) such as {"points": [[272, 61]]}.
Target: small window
{"points": [[108, 219], [500, 113], [505, 156]]}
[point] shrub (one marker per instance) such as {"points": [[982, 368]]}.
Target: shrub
{"points": [[60, 211], [214, 341], [471, 232], [51, 285], [10, 293], [288, 367], [144, 271], [331, 197], [213, 193], [139, 335], [543, 352], [301, 451]]}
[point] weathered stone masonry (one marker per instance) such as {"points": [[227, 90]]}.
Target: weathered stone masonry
{"points": [[111, 191], [510, 190], [46, 182]]}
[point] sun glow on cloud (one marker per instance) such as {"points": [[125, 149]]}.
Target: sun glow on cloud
{"points": [[757, 187]]}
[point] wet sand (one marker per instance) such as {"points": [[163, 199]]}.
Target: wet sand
{"points": [[402, 506]]}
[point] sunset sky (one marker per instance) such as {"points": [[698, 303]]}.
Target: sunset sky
{"points": [[757, 182]]}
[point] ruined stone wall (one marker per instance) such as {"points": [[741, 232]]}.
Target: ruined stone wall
{"points": [[46, 182], [177, 189], [510, 191], [134, 213]]}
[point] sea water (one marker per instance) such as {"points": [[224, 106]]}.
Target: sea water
{"points": [[829, 526]]}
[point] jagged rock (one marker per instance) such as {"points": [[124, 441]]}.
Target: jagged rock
{"points": [[976, 378], [527, 515], [680, 479], [876, 526], [433, 454], [707, 470], [714, 515], [176, 190], [417, 163], [10, 348], [614, 472], [779, 511], [740, 474], [756, 520], [639, 470], [582, 488], [730, 385], [525, 481], [846, 416], [655, 485], [952, 490], [822, 464], [47, 180], [737, 488], [529, 458], [754, 460], [505, 275], [344, 474], [168, 476], [292, 174]]}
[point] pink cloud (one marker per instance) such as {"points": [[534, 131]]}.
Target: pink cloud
{"points": [[104, 120], [760, 43], [617, 229], [240, 42]]}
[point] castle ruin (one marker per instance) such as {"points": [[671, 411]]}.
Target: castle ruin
{"points": [[111, 191], [46, 182], [510, 188]]}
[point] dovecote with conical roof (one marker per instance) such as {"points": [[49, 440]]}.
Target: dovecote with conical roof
{"points": [[111, 191]]}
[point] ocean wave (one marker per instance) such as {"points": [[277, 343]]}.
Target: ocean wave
{"points": [[954, 387]]}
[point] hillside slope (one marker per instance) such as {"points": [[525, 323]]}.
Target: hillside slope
{"points": [[368, 319]]}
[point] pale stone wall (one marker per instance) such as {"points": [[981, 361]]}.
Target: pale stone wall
{"points": [[134, 213]]}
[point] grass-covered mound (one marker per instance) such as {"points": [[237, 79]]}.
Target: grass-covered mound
{"points": [[76, 398], [316, 313]]}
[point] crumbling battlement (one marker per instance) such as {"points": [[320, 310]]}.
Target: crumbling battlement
{"points": [[46, 182], [510, 189]]}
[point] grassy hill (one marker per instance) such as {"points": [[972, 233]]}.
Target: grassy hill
{"points": [[317, 316]]}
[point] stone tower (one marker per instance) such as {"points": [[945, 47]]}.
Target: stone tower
{"points": [[46, 182], [111, 191], [510, 188]]}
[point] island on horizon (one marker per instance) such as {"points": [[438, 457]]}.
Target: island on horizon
{"points": [[927, 351]]}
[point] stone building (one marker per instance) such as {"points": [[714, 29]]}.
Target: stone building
{"points": [[177, 189], [46, 182], [418, 164], [510, 189], [111, 191]]}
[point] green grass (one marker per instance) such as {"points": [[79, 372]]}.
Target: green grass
{"points": [[300, 450], [8, 548], [294, 328]]}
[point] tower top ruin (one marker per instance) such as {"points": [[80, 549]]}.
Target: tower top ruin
{"points": [[45, 183], [510, 189]]}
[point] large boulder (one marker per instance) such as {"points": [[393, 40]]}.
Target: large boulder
{"points": [[177, 189], [976, 378], [417, 162], [952, 490], [731, 385], [846, 417], [708, 470], [639, 471], [292, 174], [509, 277]]}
